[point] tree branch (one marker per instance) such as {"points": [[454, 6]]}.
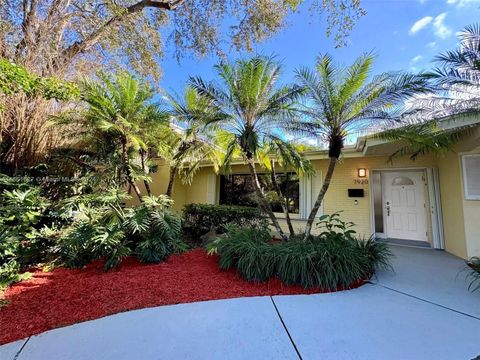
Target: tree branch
{"points": [[81, 46]]}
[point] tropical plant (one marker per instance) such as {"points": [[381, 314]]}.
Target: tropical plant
{"points": [[343, 101], [252, 110], [119, 127], [198, 219], [331, 261], [189, 143], [24, 223], [276, 154], [474, 274], [112, 34], [96, 230], [103, 229], [456, 80], [154, 231]]}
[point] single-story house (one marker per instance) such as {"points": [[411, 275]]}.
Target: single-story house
{"points": [[433, 201]]}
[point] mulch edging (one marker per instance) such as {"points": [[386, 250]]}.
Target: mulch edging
{"points": [[65, 296]]}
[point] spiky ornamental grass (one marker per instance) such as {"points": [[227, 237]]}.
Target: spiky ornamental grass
{"points": [[474, 274], [330, 261]]}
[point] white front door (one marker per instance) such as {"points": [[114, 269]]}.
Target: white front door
{"points": [[404, 205]]}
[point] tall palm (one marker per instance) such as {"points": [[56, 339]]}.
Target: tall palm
{"points": [[250, 107], [456, 80], [118, 126], [456, 93], [342, 102], [190, 142]]}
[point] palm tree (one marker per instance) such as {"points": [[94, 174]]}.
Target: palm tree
{"points": [[342, 102], [287, 156], [456, 80], [455, 85], [190, 142], [251, 109], [118, 127]]}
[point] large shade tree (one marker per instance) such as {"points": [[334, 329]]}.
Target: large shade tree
{"points": [[343, 101], [252, 110], [72, 38]]}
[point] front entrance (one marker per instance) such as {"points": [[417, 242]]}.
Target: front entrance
{"points": [[404, 207]]}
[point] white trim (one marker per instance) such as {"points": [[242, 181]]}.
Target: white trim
{"points": [[211, 189], [464, 173]]}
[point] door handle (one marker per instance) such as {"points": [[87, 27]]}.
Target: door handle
{"points": [[388, 208]]}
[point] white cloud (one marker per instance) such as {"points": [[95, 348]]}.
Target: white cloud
{"points": [[431, 44], [420, 24], [416, 59], [439, 28], [462, 3]]}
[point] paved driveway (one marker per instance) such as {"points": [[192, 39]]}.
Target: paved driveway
{"points": [[421, 311]]}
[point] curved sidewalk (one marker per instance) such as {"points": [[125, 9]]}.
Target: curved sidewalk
{"points": [[422, 311]]}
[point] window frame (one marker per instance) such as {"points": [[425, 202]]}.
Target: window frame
{"points": [[465, 180], [279, 215]]}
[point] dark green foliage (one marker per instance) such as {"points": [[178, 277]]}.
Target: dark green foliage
{"points": [[154, 230], [247, 250], [25, 226], [474, 274], [329, 261], [103, 229], [202, 218]]}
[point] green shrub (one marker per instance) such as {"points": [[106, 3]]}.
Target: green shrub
{"points": [[10, 273], [329, 261], [103, 229], [155, 230], [24, 228], [202, 218]]}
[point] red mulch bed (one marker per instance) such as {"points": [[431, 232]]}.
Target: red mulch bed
{"points": [[64, 296]]}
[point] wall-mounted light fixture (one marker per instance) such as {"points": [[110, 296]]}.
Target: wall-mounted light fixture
{"points": [[362, 172]]}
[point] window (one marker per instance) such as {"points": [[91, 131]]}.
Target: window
{"points": [[471, 176], [238, 189], [401, 181]]}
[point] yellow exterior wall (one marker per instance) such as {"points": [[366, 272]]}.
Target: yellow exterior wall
{"points": [[343, 178], [471, 212], [451, 194], [460, 217]]}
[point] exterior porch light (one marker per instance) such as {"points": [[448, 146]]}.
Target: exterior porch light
{"points": [[362, 172]]}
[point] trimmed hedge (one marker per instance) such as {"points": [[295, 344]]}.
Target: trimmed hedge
{"points": [[199, 219]]}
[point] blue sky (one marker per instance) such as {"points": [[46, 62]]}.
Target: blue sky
{"points": [[404, 35]]}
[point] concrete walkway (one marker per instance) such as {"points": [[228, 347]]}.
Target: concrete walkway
{"points": [[421, 311]]}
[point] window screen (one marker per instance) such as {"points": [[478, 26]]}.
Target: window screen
{"points": [[471, 176], [238, 189]]}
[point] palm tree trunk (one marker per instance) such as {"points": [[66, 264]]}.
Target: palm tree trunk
{"points": [[173, 173], [321, 195], [145, 182], [283, 198], [263, 201], [128, 171]]}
